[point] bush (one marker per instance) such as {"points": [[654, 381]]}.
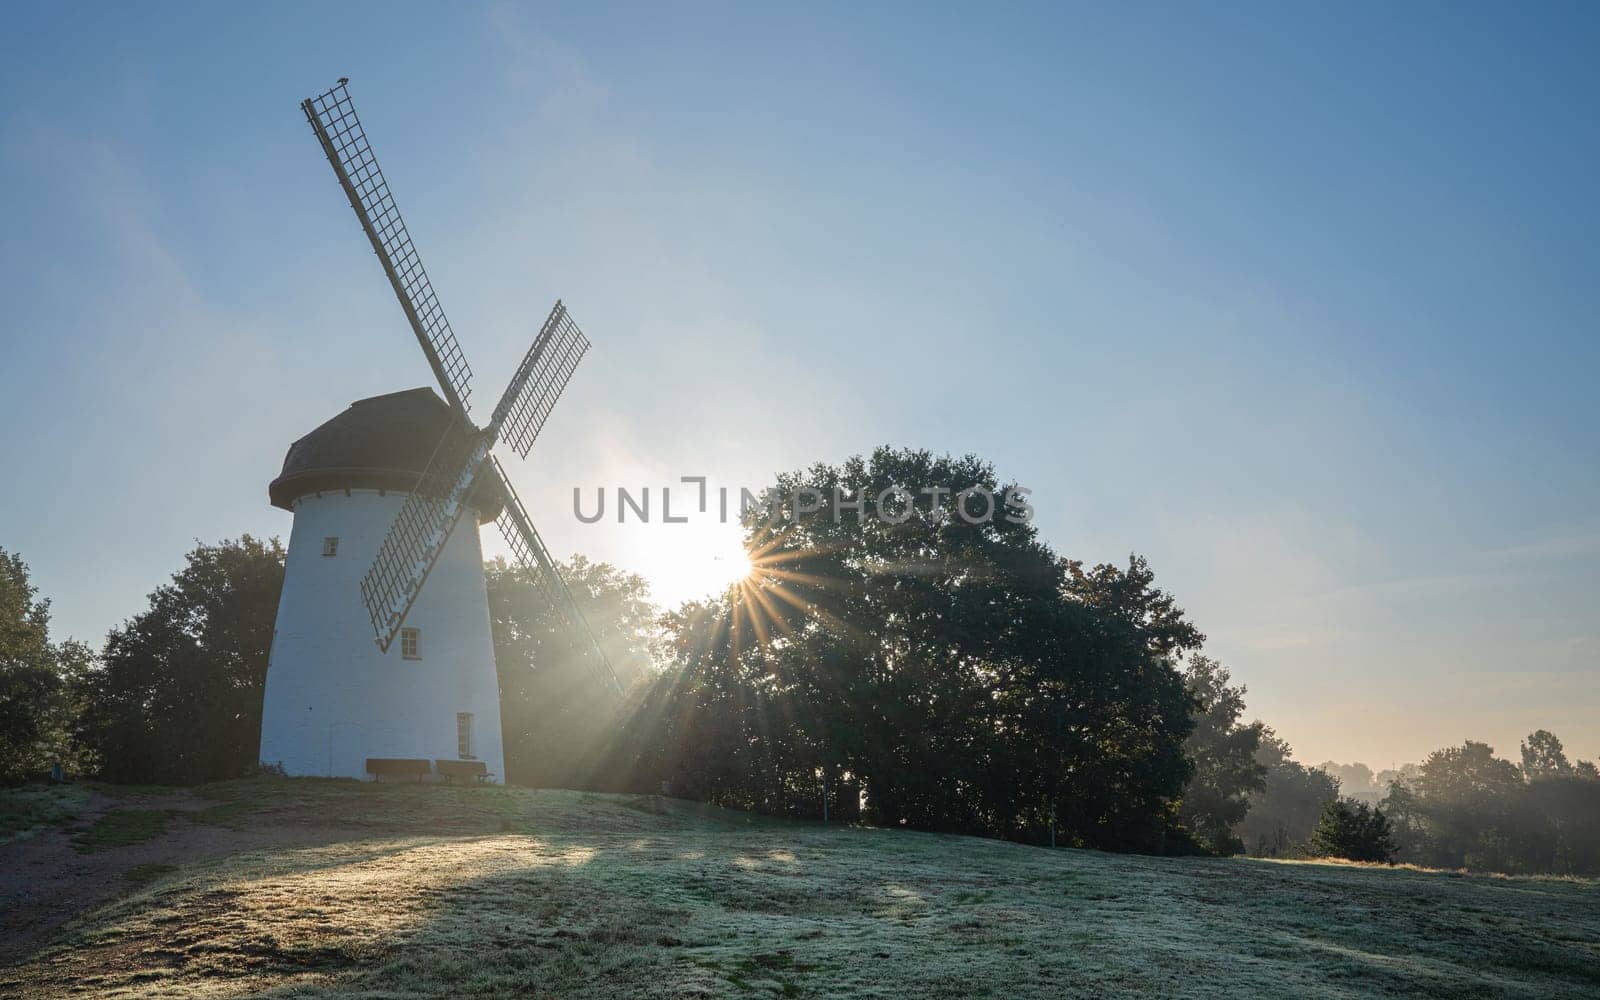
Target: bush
{"points": [[1354, 831]]}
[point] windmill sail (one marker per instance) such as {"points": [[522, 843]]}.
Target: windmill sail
{"points": [[419, 533], [556, 353], [431, 511], [535, 560], [333, 118]]}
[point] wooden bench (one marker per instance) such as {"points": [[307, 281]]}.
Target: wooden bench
{"points": [[399, 767], [476, 770]]}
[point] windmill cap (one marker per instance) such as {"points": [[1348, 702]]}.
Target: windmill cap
{"points": [[379, 443]]}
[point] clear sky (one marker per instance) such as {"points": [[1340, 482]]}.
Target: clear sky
{"points": [[1298, 301]]}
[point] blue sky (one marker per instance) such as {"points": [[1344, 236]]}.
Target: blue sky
{"points": [[1298, 301]]}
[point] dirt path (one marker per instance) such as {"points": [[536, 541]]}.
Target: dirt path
{"points": [[45, 880]]}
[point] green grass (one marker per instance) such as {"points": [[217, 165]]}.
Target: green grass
{"points": [[122, 828], [412, 891], [32, 809], [132, 791], [228, 814], [148, 872]]}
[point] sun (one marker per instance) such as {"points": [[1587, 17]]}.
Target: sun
{"points": [[691, 562], [719, 562], [738, 566]]}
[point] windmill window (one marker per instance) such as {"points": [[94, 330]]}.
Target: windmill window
{"points": [[464, 735], [330, 546], [411, 643]]}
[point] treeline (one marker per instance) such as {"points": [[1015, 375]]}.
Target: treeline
{"points": [[1464, 807], [1461, 808], [174, 696], [920, 671]]}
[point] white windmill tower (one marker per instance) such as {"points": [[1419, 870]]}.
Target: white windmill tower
{"points": [[377, 493]]}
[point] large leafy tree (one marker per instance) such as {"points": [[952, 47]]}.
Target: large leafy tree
{"points": [[1474, 816], [177, 696], [39, 681], [943, 664], [1131, 597], [29, 684], [1224, 753], [555, 716]]}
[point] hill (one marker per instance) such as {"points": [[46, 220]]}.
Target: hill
{"points": [[323, 888]]}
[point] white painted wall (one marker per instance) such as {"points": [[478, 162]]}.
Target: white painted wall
{"points": [[332, 698]]}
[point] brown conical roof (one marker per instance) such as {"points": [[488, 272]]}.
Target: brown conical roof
{"points": [[380, 443]]}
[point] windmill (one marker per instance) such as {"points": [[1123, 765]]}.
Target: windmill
{"points": [[415, 465]]}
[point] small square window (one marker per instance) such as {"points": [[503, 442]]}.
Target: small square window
{"points": [[411, 643], [330, 547], [464, 735]]}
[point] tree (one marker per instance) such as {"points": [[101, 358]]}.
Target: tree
{"points": [[1543, 756], [1467, 808], [1569, 805], [946, 665], [65, 743], [1407, 820], [28, 680], [1478, 811], [1224, 755], [177, 696], [555, 716], [1131, 597], [1353, 830], [1286, 809], [1469, 803], [37, 681]]}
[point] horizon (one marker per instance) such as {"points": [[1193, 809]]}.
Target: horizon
{"points": [[1312, 342]]}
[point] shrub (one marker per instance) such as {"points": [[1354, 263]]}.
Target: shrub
{"points": [[1354, 831]]}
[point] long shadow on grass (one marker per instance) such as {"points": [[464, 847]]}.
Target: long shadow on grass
{"points": [[653, 907]]}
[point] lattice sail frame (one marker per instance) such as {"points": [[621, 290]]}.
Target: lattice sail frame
{"points": [[419, 534], [333, 118], [555, 355], [530, 552]]}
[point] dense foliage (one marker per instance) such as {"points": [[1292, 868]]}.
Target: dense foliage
{"points": [[176, 698], [1224, 753], [40, 682], [1461, 808], [1353, 830], [961, 675], [1467, 808], [556, 719]]}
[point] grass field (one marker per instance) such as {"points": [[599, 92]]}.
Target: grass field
{"points": [[320, 888]]}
